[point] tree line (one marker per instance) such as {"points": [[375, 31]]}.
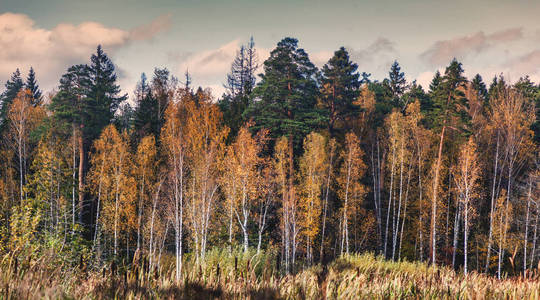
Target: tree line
{"points": [[313, 163]]}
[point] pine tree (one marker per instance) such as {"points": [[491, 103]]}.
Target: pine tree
{"points": [[71, 106], [339, 90], [449, 102], [286, 96]]}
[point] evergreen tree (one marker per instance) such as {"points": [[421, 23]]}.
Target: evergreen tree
{"points": [[103, 97], [240, 84], [145, 114], [88, 99], [13, 86], [497, 87], [527, 88], [435, 82], [448, 103], [397, 85], [124, 117], [286, 96], [71, 107], [339, 90], [480, 87], [31, 84], [163, 87], [70, 103]]}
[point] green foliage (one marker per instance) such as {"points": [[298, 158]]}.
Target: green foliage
{"points": [[339, 90], [12, 87], [285, 99], [31, 84]]}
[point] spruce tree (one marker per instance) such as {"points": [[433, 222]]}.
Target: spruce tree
{"points": [[146, 110], [532, 92], [397, 85], [498, 85], [13, 86], [480, 87], [31, 84], [103, 97]]}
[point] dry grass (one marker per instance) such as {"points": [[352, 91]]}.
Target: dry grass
{"points": [[237, 275]]}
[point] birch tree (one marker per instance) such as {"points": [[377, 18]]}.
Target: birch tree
{"points": [[467, 176], [352, 169], [311, 178]]}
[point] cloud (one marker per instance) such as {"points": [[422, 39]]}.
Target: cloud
{"points": [[209, 67], [210, 63], [424, 79], [381, 46], [376, 58], [320, 58], [50, 51], [148, 31], [441, 52], [526, 64]]}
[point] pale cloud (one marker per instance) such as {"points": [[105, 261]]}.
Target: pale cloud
{"points": [[526, 64], [210, 63], [441, 52], [210, 67], [379, 47], [376, 58], [50, 51], [424, 79], [148, 31], [321, 58]]}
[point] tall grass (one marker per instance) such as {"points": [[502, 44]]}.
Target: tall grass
{"points": [[226, 274]]}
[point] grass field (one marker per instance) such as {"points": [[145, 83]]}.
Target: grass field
{"points": [[240, 276]]}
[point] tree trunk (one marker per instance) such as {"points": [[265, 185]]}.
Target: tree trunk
{"points": [[390, 190], [140, 213], [490, 235], [433, 238], [325, 210], [466, 235], [525, 239], [81, 172], [73, 180], [456, 233], [396, 231], [533, 250]]}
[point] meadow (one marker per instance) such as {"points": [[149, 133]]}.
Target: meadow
{"points": [[235, 275]]}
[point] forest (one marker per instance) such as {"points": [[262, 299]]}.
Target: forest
{"points": [[294, 174]]}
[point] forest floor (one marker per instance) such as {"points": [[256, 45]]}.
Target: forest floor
{"points": [[251, 276]]}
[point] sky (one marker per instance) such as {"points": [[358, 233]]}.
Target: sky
{"points": [[489, 36]]}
